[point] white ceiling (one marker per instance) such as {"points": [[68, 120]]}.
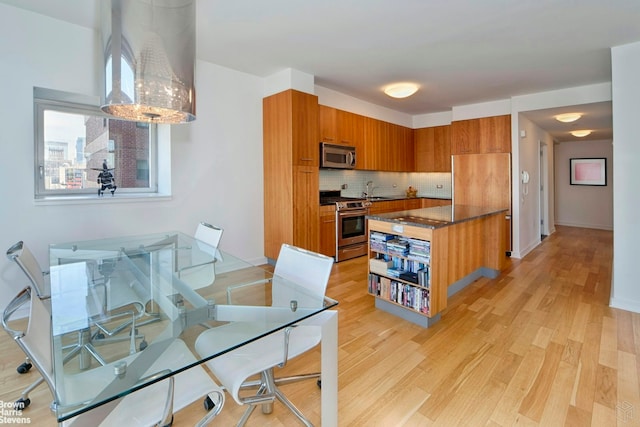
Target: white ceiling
{"points": [[459, 51]]}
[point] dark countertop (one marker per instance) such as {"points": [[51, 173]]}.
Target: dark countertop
{"points": [[401, 197], [391, 198], [436, 217]]}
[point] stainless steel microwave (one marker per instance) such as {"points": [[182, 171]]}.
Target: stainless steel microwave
{"points": [[334, 156]]}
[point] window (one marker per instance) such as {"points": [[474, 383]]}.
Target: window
{"points": [[75, 140]]}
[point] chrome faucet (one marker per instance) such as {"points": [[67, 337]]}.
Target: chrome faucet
{"points": [[368, 192]]}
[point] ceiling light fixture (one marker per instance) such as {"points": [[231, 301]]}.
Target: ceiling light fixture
{"points": [[568, 117], [580, 133], [149, 52], [401, 90]]}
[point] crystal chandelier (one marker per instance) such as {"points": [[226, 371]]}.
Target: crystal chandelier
{"points": [[149, 60]]}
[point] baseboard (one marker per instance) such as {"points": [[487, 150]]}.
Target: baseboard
{"points": [[622, 304], [580, 225]]}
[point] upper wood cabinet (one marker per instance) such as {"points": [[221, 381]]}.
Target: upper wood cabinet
{"points": [[400, 149], [290, 128], [495, 134], [388, 147], [465, 136], [483, 135], [342, 127], [433, 149], [328, 124], [375, 132]]}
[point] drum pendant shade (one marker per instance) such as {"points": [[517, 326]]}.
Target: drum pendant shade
{"points": [[149, 60]]}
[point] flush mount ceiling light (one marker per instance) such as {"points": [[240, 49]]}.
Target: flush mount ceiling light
{"points": [[149, 52], [580, 133], [401, 90], [568, 117]]}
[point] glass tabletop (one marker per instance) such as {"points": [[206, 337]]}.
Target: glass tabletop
{"points": [[163, 287]]}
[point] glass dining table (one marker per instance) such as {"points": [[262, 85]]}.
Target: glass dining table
{"points": [[118, 303]]}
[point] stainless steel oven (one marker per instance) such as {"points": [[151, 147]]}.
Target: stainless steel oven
{"points": [[351, 229]]}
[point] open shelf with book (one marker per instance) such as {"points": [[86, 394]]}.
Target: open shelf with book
{"points": [[401, 272]]}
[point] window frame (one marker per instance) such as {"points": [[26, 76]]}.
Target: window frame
{"points": [[48, 99]]}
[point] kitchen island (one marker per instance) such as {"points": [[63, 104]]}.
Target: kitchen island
{"points": [[418, 258]]}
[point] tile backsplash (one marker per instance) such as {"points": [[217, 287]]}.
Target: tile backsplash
{"points": [[428, 184]]}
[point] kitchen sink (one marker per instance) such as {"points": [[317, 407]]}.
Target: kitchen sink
{"points": [[379, 198]]}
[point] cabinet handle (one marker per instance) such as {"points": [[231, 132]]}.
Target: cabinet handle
{"points": [[306, 159], [306, 171], [327, 138]]}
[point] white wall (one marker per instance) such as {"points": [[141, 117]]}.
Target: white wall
{"points": [[581, 205], [625, 62], [216, 160], [529, 198]]}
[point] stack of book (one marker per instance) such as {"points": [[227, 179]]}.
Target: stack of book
{"points": [[398, 247], [420, 250], [379, 241]]}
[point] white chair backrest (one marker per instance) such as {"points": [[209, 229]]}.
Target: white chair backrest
{"points": [[209, 234], [38, 336], [22, 256], [307, 270]]}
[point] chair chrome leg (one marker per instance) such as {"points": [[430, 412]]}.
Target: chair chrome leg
{"points": [[246, 416], [167, 413], [286, 402], [295, 378], [219, 403], [271, 386]]}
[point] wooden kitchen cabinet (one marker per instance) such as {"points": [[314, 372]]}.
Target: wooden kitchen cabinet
{"points": [[350, 128], [433, 149], [386, 206], [412, 204], [464, 137], [328, 124], [344, 128], [495, 134], [291, 174], [388, 147], [340, 127], [400, 149], [375, 132], [328, 230], [480, 136], [430, 203]]}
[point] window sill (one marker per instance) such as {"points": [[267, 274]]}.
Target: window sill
{"points": [[107, 198]]}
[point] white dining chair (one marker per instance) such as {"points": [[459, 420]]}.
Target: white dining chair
{"points": [[117, 296], [209, 234], [201, 272], [141, 408], [305, 269]]}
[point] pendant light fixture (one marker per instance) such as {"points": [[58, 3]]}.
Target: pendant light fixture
{"points": [[149, 56]]}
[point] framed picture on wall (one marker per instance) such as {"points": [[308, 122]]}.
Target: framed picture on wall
{"points": [[588, 171]]}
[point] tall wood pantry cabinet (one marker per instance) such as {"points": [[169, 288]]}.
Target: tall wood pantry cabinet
{"points": [[291, 174]]}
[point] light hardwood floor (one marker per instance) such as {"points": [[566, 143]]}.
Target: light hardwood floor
{"points": [[536, 346]]}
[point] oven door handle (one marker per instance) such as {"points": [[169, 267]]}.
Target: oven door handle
{"points": [[355, 212]]}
